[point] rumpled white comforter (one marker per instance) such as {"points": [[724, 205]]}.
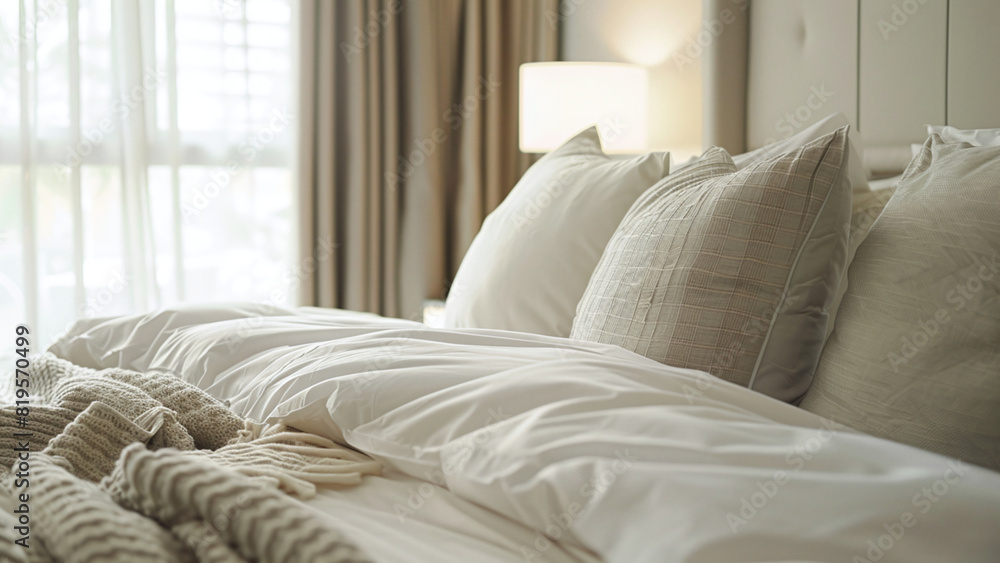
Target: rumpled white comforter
{"points": [[591, 445]]}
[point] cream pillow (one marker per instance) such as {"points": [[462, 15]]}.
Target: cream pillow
{"points": [[949, 134], [530, 262], [729, 272], [975, 137], [916, 354]]}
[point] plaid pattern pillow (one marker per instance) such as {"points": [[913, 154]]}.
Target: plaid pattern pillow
{"points": [[729, 272]]}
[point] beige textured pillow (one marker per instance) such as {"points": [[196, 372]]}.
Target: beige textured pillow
{"points": [[915, 356], [730, 273]]}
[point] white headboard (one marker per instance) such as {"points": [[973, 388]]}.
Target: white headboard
{"points": [[891, 66]]}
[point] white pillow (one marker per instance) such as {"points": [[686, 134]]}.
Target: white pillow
{"points": [[99, 343], [975, 137], [857, 173], [530, 263]]}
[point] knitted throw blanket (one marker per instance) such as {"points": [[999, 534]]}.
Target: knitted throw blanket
{"points": [[138, 467]]}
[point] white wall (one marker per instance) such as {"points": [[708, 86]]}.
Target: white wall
{"points": [[655, 34]]}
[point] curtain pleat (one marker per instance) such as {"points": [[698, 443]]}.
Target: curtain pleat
{"points": [[129, 54], [27, 65], [388, 227], [408, 139]]}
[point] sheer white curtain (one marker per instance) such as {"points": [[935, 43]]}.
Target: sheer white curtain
{"points": [[145, 150]]}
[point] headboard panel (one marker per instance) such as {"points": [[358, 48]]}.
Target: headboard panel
{"points": [[902, 72], [891, 66], [974, 64], [803, 66]]}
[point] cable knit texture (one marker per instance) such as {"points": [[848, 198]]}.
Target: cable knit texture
{"points": [[146, 467]]}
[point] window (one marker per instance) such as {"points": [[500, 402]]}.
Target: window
{"points": [[145, 156]]}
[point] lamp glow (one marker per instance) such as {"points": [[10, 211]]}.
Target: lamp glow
{"points": [[560, 99]]}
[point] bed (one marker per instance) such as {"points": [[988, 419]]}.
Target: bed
{"points": [[557, 422], [490, 438]]}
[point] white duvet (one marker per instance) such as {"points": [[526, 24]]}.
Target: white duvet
{"points": [[592, 446]]}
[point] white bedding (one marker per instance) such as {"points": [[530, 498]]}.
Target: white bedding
{"points": [[605, 450], [401, 519]]}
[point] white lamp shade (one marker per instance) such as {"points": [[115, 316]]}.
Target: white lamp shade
{"points": [[558, 100]]}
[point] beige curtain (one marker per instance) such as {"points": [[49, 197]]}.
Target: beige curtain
{"points": [[408, 138]]}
